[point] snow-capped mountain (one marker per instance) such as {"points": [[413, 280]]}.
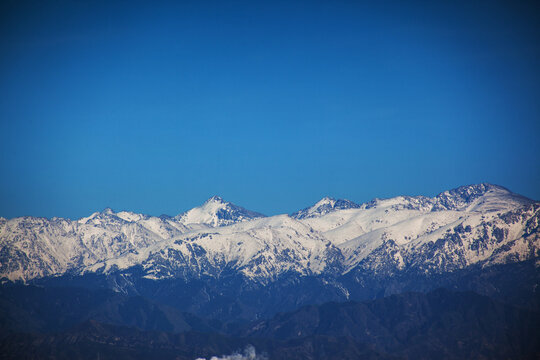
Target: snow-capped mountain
{"points": [[478, 224], [217, 212], [323, 207], [32, 247]]}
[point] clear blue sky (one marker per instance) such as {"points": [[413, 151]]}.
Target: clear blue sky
{"points": [[271, 105]]}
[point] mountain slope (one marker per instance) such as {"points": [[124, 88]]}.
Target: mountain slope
{"points": [[33, 247]]}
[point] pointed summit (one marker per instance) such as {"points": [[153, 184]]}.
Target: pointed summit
{"points": [[324, 206], [96, 216], [217, 212], [326, 201], [215, 199], [107, 211]]}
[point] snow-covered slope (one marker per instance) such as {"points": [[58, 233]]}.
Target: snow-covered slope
{"points": [[477, 224], [261, 249], [33, 247], [36, 247]]}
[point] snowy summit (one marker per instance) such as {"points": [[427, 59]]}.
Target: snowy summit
{"points": [[217, 212], [324, 206]]}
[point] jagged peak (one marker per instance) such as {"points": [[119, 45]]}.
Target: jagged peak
{"points": [[325, 201], [483, 196], [324, 206], [216, 199], [103, 213], [477, 189], [107, 211], [217, 212]]}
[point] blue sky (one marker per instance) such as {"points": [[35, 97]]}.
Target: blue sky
{"points": [[272, 105]]}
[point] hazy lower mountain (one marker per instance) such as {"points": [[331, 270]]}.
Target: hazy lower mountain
{"points": [[440, 324], [437, 325], [34, 309]]}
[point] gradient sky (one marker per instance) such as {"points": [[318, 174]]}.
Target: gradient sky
{"points": [[272, 105]]}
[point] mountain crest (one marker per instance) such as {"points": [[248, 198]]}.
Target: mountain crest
{"points": [[107, 211], [478, 197], [217, 212], [324, 206], [326, 201], [215, 199]]}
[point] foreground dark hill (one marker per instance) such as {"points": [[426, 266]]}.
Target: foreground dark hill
{"points": [[438, 325], [31, 309], [231, 299]]}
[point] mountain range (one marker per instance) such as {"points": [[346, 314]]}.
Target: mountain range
{"points": [[224, 270], [479, 224]]}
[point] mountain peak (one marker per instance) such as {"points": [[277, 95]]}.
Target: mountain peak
{"points": [[483, 196], [475, 189], [217, 212], [215, 199], [326, 200], [324, 206], [107, 211]]}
